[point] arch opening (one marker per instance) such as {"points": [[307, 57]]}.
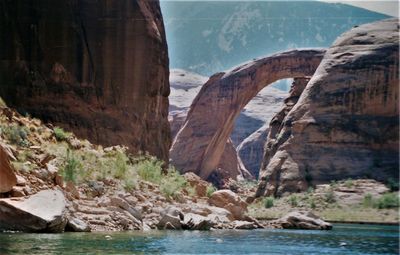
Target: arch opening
{"points": [[200, 142]]}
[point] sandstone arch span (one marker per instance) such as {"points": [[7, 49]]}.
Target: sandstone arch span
{"points": [[200, 142]]}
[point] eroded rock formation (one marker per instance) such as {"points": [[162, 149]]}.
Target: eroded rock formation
{"points": [[346, 122], [98, 68], [230, 165], [251, 150], [201, 141], [7, 175]]}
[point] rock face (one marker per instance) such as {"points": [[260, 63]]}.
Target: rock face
{"points": [[42, 212], [223, 97], [230, 165], [230, 201], [346, 122], [251, 150], [199, 185], [7, 175], [302, 220], [98, 68]]}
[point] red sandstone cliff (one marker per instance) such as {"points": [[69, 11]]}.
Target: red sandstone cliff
{"points": [[346, 122], [98, 68]]}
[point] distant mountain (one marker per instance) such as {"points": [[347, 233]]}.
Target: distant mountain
{"points": [[184, 88], [211, 36]]}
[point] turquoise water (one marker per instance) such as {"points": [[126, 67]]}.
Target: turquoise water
{"points": [[359, 239]]}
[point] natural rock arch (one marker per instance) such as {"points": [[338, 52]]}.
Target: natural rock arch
{"points": [[201, 141], [346, 123]]}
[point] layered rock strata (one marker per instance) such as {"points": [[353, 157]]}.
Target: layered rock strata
{"points": [[346, 122], [98, 68], [201, 141]]}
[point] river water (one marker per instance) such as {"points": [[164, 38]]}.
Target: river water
{"points": [[343, 239]]}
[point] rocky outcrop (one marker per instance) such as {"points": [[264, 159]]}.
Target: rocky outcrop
{"points": [[42, 212], [251, 150], [7, 175], [203, 140], [98, 68], [230, 201], [302, 220], [199, 185], [346, 122], [77, 225]]}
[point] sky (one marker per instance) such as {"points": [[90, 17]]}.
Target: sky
{"points": [[382, 6], [389, 7]]}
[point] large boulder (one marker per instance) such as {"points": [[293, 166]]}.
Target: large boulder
{"points": [[197, 222], [346, 122], [42, 212], [302, 220], [77, 225], [171, 218], [230, 201], [7, 175], [98, 68]]}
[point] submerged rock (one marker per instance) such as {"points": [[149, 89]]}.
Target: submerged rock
{"points": [[77, 225], [42, 212], [302, 220]]}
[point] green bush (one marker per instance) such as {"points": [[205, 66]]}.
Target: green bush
{"points": [[172, 183], [392, 184], [210, 189], [268, 202], [150, 169], [121, 166], [129, 184], [368, 200], [388, 200], [72, 167], [293, 200], [60, 134], [348, 183], [312, 203], [16, 134], [333, 184], [330, 196], [310, 190]]}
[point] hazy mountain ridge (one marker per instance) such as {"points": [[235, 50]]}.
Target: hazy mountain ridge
{"points": [[225, 34]]}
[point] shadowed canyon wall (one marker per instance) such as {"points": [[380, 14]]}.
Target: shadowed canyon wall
{"points": [[346, 122], [98, 68], [201, 141]]}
